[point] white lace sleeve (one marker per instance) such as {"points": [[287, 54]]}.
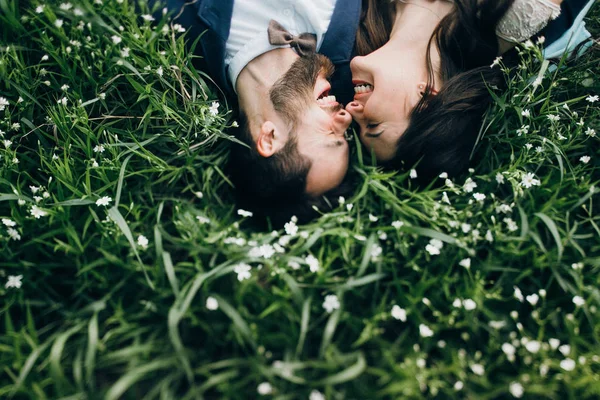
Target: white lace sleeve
{"points": [[525, 18]]}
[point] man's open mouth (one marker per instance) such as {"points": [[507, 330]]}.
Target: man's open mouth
{"points": [[325, 99]]}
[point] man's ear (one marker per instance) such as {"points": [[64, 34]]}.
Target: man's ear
{"points": [[270, 139]]}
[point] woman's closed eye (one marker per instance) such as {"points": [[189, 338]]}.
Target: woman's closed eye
{"points": [[371, 127]]}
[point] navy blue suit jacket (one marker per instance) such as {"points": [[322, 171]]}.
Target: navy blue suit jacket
{"points": [[211, 19]]}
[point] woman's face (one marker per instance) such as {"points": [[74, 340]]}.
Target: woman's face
{"points": [[388, 84]]}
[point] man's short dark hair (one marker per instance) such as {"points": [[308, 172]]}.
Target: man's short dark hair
{"points": [[274, 187]]}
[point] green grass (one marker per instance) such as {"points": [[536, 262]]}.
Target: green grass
{"points": [[100, 314]]}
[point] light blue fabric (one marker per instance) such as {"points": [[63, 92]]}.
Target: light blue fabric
{"points": [[572, 38]]}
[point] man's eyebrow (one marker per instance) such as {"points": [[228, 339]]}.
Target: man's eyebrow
{"points": [[374, 135]]}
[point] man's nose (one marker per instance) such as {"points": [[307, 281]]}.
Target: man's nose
{"points": [[341, 121]]}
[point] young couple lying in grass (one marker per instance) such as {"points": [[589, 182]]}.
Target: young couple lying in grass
{"points": [[414, 75]]}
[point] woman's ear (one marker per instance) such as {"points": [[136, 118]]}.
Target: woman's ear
{"points": [[270, 139], [422, 86]]}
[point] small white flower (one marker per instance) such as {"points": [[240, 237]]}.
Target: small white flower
{"points": [[541, 40], [316, 395], [478, 369], [14, 234], [397, 224], [214, 108], [14, 281], [65, 6], [457, 303], [592, 99], [585, 159], [516, 389], [469, 304], [58, 23], [526, 113], [413, 174], [159, 71], [425, 331], [349, 207], [211, 303], [497, 324], [313, 263], [62, 101], [148, 17], [432, 250], [125, 52], [465, 263], [510, 224], [264, 389], [524, 130], [373, 218], [532, 299], [554, 118], [142, 241], [529, 180], [488, 236], [99, 148], [565, 349], [178, 28], [518, 294], [567, 364], [243, 271], [8, 222], [458, 385], [590, 132], [399, 313], [533, 346], [37, 212], [554, 343], [293, 265], [577, 266], [469, 185], [64, 87], [202, 219], [376, 251], [528, 44], [497, 61], [578, 301], [40, 9], [116, 39], [199, 194], [94, 163], [508, 349], [443, 175], [244, 213], [479, 197], [3, 103], [103, 201], [291, 228], [445, 198], [331, 303]]}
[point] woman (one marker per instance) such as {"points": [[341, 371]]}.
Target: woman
{"points": [[420, 97]]}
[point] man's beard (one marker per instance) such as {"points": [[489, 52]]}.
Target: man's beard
{"points": [[292, 94]]}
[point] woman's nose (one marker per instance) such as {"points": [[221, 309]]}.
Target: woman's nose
{"points": [[355, 109], [357, 63]]}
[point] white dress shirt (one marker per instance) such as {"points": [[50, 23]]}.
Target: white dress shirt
{"points": [[248, 33]]}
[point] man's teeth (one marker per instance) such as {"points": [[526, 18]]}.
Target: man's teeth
{"points": [[366, 88], [326, 100]]}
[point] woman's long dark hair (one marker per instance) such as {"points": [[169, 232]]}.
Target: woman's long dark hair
{"points": [[443, 128]]}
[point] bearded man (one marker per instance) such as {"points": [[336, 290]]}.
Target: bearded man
{"points": [[275, 59]]}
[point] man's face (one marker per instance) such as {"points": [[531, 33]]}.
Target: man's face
{"points": [[318, 121]]}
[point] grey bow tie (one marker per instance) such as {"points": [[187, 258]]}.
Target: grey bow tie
{"points": [[304, 43]]}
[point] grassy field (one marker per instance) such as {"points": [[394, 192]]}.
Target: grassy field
{"points": [[126, 271]]}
